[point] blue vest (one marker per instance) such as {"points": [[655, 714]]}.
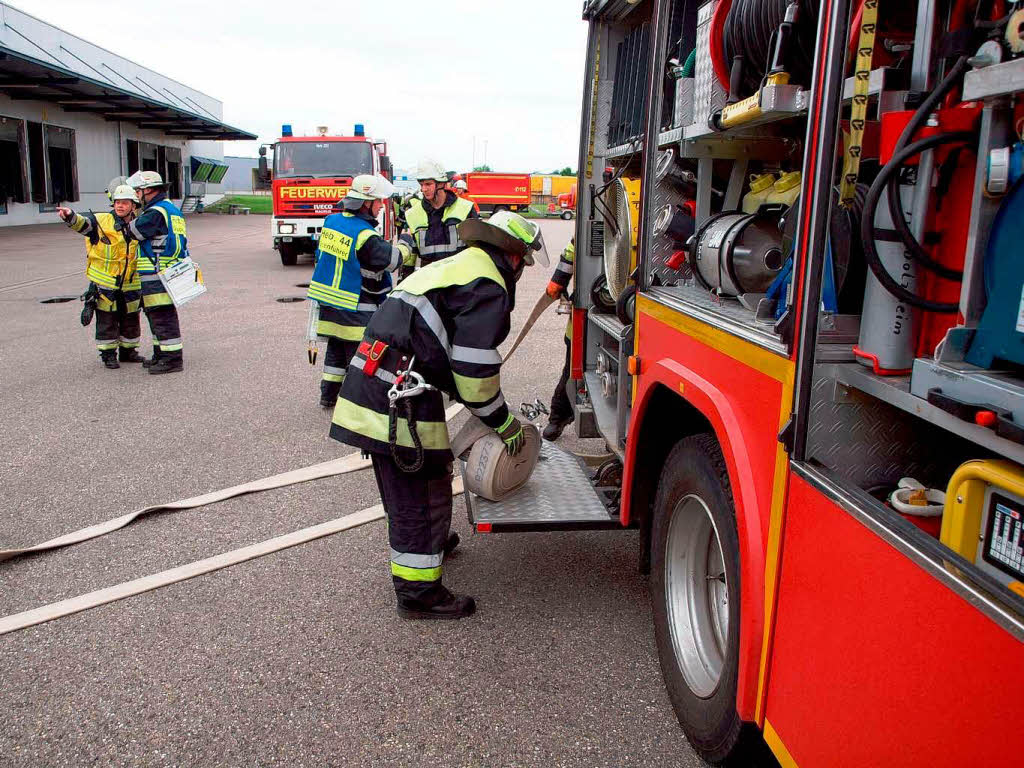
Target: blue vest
{"points": [[159, 253], [336, 279]]}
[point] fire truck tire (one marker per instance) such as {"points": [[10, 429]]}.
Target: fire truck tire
{"points": [[567, 215], [695, 596], [289, 254]]}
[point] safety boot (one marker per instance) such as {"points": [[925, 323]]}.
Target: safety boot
{"points": [[451, 543], [109, 358], [171, 362], [147, 362], [130, 355], [444, 605], [554, 429]]}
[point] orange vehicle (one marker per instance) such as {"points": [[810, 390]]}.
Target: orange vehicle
{"points": [[816, 414], [567, 203], [498, 191]]}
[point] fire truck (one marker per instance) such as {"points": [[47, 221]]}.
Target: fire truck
{"points": [[310, 175], [797, 325]]}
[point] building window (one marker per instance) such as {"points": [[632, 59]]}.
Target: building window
{"points": [[13, 162], [53, 163], [149, 156], [132, 152], [172, 174]]}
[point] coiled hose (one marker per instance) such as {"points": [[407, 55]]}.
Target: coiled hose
{"points": [[749, 32]]}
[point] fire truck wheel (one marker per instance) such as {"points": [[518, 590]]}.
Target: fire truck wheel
{"points": [[289, 254], [695, 595], [567, 215]]}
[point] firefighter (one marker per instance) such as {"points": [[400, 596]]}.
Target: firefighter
{"points": [[160, 232], [432, 218], [348, 289], [444, 323], [462, 190], [560, 414], [111, 267]]}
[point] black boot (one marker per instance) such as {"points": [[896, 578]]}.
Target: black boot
{"points": [[444, 605], [554, 429], [451, 543], [109, 358], [130, 355], [154, 359], [169, 362]]}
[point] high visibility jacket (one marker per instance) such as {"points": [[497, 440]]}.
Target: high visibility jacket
{"points": [[441, 240], [160, 230], [451, 315], [352, 273], [111, 261]]}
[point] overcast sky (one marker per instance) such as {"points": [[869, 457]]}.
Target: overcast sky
{"points": [[426, 76]]}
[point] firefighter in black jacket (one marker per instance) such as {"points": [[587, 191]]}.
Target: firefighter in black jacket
{"points": [[438, 331], [561, 413]]}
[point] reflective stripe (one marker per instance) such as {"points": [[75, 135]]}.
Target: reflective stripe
{"points": [[156, 300], [170, 342], [476, 355], [564, 267], [477, 390], [396, 256], [333, 377], [133, 227], [335, 370], [369, 423], [363, 236], [426, 310], [149, 278], [106, 344], [385, 376], [490, 408], [416, 561], [343, 332], [371, 274], [170, 347], [415, 574], [385, 289], [366, 307], [136, 340]]}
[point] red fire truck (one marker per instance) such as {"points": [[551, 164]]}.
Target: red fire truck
{"points": [[810, 384], [498, 191], [310, 175]]}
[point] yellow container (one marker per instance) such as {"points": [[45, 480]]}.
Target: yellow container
{"points": [[786, 190], [760, 187]]}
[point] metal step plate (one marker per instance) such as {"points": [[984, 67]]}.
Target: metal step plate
{"points": [[558, 496]]}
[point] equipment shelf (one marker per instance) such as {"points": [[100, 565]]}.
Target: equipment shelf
{"points": [[895, 390], [994, 80]]}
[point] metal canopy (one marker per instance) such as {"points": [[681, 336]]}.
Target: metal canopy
{"points": [[39, 62]]}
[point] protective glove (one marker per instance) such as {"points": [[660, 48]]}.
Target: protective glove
{"points": [[511, 433], [554, 290]]}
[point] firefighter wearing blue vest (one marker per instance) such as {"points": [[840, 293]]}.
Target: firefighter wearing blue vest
{"points": [[352, 276], [433, 218], [437, 332], [160, 232], [560, 414]]}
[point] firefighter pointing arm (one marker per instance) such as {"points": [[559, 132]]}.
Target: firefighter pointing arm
{"points": [[439, 331], [349, 289]]}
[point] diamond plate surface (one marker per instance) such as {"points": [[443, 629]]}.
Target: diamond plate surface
{"points": [[662, 246], [708, 95], [604, 113], [559, 491], [870, 442]]}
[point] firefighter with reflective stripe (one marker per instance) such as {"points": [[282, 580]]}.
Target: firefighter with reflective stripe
{"points": [[160, 230], [113, 277], [352, 276], [433, 218], [439, 331], [560, 413]]}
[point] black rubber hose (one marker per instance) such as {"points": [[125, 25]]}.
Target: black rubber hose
{"points": [[867, 223], [899, 222]]}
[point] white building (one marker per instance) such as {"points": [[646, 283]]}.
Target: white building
{"points": [[74, 115]]}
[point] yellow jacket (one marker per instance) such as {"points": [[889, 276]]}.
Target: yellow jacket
{"points": [[111, 261]]}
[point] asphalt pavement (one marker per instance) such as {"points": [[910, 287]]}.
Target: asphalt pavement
{"points": [[298, 657]]}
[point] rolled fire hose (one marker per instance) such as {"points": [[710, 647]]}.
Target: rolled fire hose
{"points": [[497, 474], [490, 472]]}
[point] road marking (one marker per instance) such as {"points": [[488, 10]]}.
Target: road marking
{"points": [[35, 616], [37, 281]]}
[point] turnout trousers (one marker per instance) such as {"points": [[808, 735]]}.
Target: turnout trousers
{"points": [[561, 408], [419, 509], [117, 319], [343, 331], [162, 316]]}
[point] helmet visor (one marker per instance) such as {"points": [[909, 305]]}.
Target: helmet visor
{"points": [[529, 232]]}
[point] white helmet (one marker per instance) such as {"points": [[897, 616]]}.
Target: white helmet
{"points": [[145, 180], [460, 184], [370, 187], [124, 192], [431, 170], [113, 184]]}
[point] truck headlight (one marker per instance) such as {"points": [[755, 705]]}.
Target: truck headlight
{"points": [[286, 229]]}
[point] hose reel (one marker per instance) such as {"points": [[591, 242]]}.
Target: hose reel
{"points": [[622, 222], [736, 254]]}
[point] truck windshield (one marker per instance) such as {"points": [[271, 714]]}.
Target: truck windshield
{"points": [[326, 158]]}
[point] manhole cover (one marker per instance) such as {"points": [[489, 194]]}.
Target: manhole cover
{"points": [[290, 299], [302, 285], [57, 299]]}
